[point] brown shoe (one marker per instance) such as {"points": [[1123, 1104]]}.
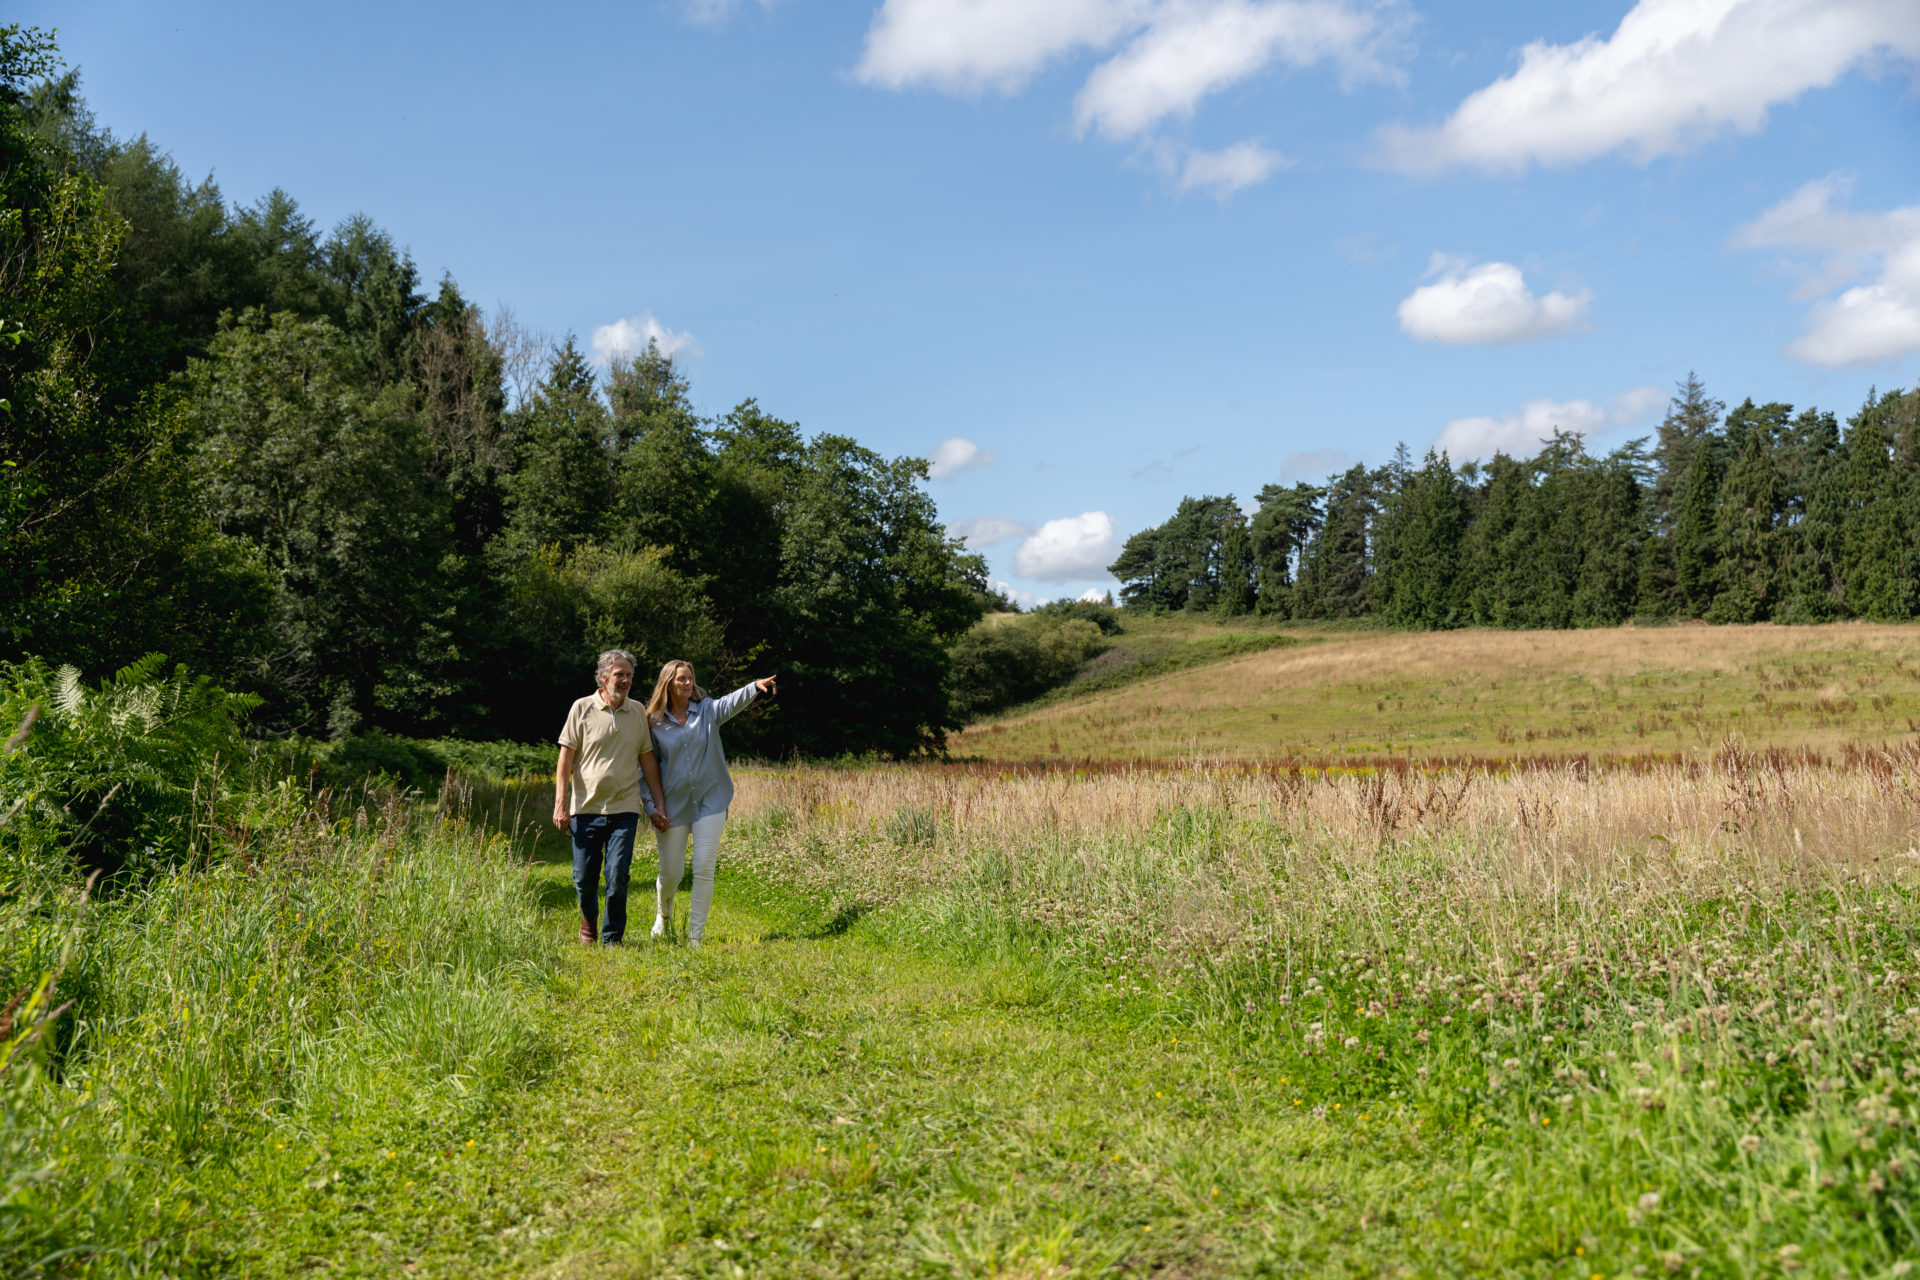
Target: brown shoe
{"points": [[589, 932]]}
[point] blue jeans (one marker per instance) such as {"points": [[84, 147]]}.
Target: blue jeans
{"points": [[612, 833]]}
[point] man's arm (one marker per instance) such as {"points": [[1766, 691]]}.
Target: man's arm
{"points": [[650, 770], [562, 775]]}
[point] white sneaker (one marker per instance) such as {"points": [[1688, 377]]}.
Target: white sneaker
{"points": [[659, 927]]}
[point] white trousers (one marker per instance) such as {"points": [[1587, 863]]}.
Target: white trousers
{"points": [[672, 844]]}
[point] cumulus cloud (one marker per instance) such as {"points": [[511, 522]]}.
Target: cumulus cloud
{"points": [[1095, 595], [629, 337], [1519, 433], [1488, 303], [1225, 171], [1869, 322], [956, 453], [1191, 50], [1162, 58], [973, 46], [1673, 75], [1637, 405], [1020, 596], [1071, 549], [987, 531]]}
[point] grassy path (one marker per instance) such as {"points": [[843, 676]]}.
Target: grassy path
{"points": [[799, 1098]]}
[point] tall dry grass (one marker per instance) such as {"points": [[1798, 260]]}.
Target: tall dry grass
{"points": [[1155, 852], [1668, 1017]]}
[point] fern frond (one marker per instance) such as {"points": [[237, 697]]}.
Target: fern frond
{"points": [[68, 693]]}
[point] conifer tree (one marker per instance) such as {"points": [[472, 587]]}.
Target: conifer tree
{"points": [[1752, 500], [1285, 523], [562, 489], [1417, 551], [1695, 537], [1876, 560], [1812, 588]]}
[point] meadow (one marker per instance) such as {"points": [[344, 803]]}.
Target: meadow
{"points": [[1642, 1014], [1488, 694]]}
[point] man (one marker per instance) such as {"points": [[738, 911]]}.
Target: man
{"points": [[605, 748]]}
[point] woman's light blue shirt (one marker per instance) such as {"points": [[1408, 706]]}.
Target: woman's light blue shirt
{"points": [[693, 764]]}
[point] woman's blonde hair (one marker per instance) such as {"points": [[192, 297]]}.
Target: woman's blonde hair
{"points": [[663, 690]]}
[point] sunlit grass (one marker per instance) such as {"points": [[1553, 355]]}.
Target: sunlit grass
{"points": [[1638, 691]]}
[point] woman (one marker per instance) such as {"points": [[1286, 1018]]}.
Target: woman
{"points": [[693, 770]]}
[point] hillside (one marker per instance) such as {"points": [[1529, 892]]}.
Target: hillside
{"points": [[1623, 690]]}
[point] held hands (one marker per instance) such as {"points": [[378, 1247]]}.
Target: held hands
{"points": [[659, 820], [766, 686]]}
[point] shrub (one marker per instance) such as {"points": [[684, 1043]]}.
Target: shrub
{"points": [[115, 777], [1103, 616], [1001, 662]]}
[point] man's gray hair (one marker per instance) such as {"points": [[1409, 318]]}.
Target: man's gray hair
{"points": [[610, 657]]}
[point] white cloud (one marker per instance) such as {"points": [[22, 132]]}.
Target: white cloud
{"points": [[1673, 75], [1171, 55], [986, 531], [956, 453], [1637, 405], [1023, 598], [629, 337], [1488, 303], [1071, 549], [1190, 50], [1870, 322], [1095, 595], [972, 46], [1519, 433], [1225, 171]]}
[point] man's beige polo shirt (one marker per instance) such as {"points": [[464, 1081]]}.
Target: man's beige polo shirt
{"points": [[607, 746]]}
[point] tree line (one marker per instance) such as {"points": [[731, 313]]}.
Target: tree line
{"points": [[1759, 514], [267, 451]]}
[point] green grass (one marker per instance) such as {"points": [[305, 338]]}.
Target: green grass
{"points": [[1252, 693], [381, 1054]]}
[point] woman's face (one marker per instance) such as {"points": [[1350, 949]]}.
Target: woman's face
{"points": [[682, 685]]}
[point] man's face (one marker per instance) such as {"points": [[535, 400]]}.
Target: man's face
{"points": [[615, 683]]}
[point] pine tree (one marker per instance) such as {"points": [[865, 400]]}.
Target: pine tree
{"points": [[1333, 578], [1287, 520], [1876, 559], [1495, 588], [1691, 418], [561, 490], [1752, 501], [1695, 537], [1613, 525], [1235, 596], [1418, 548], [1813, 589]]}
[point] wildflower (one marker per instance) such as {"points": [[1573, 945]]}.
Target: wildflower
{"points": [[1649, 1201], [1351, 1042], [1750, 1143]]}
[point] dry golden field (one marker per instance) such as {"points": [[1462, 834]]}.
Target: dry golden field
{"points": [[1660, 691]]}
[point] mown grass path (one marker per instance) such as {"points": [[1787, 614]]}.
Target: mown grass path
{"points": [[800, 1099]]}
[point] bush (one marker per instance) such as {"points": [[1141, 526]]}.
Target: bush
{"points": [[118, 778], [1004, 661], [1103, 616]]}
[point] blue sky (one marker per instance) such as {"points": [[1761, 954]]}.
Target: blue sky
{"points": [[1093, 255]]}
